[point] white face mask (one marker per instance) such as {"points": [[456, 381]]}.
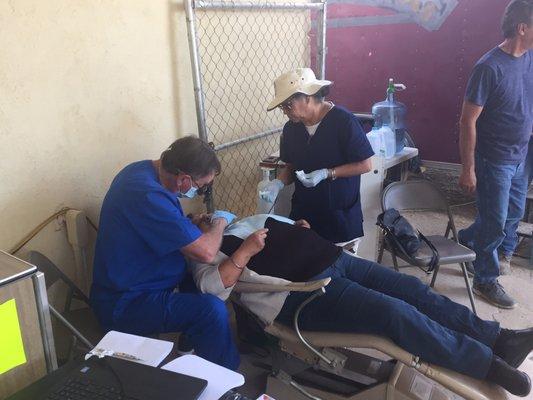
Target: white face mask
{"points": [[191, 193]]}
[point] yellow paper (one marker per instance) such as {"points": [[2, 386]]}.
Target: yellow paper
{"points": [[11, 346]]}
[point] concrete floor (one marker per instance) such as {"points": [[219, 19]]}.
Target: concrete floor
{"points": [[450, 283]]}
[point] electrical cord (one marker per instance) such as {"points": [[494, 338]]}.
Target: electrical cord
{"points": [[42, 225]]}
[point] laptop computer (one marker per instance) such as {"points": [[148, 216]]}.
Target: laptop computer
{"points": [[112, 378]]}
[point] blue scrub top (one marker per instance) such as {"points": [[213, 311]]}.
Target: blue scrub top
{"points": [[142, 229], [333, 208]]}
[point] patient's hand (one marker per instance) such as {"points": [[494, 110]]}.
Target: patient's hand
{"points": [[303, 223], [254, 243]]}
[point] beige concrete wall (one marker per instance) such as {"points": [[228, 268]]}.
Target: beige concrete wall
{"points": [[85, 88]]}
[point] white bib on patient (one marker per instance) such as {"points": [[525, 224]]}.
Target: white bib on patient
{"points": [[248, 225]]}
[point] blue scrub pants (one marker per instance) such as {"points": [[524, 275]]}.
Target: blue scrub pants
{"points": [[203, 317], [365, 297], [501, 195]]}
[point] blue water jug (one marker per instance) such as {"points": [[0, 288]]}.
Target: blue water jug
{"points": [[392, 113]]}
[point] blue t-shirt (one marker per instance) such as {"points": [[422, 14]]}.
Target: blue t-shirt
{"points": [[503, 85], [142, 229], [333, 208]]}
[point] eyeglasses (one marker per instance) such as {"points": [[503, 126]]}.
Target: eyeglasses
{"points": [[287, 104], [204, 189]]}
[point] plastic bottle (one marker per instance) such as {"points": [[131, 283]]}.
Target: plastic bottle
{"points": [[389, 141], [392, 113], [375, 137], [263, 206]]}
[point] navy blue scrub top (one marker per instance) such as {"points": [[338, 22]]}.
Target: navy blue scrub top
{"points": [[142, 229], [333, 208]]}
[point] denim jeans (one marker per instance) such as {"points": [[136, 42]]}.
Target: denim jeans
{"points": [[501, 195], [365, 297], [510, 242]]}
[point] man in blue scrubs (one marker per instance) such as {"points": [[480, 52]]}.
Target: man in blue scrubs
{"points": [[496, 124], [142, 243]]}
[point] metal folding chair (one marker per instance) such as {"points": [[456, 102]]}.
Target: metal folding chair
{"points": [[423, 196]]}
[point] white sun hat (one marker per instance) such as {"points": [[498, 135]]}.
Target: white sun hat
{"points": [[301, 80]]}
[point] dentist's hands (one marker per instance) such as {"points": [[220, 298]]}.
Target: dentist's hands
{"points": [[271, 191], [312, 178], [229, 217]]}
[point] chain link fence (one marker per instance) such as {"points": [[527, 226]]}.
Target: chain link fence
{"points": [[241, 48]]}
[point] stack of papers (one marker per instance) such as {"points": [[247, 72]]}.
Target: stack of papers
{"points": [[219, 379], [134, 348]]}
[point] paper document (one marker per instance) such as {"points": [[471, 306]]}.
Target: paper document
{"points": [[135, 348], [11, 346], [219, 379]]}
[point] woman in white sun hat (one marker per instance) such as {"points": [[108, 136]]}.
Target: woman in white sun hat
{"points": [[325, 148]]}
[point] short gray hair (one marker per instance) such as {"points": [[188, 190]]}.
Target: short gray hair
{"points": [[192, 156]]}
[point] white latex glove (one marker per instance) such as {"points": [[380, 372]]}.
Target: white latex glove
{"points": [[312, 178], [271, 191]]}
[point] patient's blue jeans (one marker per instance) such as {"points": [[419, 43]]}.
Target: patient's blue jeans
{"points": [[501, 196], [365, 297]]}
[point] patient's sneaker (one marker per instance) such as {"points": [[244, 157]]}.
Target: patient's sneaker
{"points": [[514, 345], [505, 264], [494, 293], [509, 378]]}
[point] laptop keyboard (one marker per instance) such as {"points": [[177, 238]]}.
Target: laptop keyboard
{"points": [[83, 389]]}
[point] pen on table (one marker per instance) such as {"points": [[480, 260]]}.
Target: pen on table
{"points": [[127, 356]]}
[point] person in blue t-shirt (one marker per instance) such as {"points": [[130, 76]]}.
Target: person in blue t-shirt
{"points": [[326, 150], [141, 246], [496, 125]]}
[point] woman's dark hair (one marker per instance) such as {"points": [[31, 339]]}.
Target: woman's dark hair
{"points": [[321, 94], [191, 156], [517, 12]]}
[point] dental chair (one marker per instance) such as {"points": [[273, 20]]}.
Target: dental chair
{"points": [[343, 366]]}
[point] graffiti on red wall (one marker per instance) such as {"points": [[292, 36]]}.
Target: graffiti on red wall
{"points": [[428, 13]]}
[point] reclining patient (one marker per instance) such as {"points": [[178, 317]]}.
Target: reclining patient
{"points": [[362, 297]]}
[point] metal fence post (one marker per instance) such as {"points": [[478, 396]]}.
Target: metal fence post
{"points": [[197, 83], [321, 40]]}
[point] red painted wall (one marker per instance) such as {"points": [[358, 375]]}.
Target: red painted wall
{"points": [[434, 65]]}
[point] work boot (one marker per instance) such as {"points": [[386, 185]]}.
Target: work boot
{"points": [[509, 378], [505, 264], [494, 293], [514, 346]]}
